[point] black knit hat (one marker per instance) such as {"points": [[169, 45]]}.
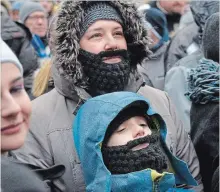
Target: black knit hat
{"points": [[210, 39], [138, 108], [99, 11]]}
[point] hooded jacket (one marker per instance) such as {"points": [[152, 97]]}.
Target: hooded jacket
{"points": [[89, 133], [50, 140]]}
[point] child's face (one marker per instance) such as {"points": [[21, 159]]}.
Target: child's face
{"points": [[131, 129]]}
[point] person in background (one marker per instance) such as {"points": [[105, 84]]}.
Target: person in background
{"points": [[49, 7], [173, 11], [43, 81], [153, 69], [188, 40], [34, 17], [204, 114], [96, 46], [18, 38], [176, 78], [127, 150], [16, 9]]}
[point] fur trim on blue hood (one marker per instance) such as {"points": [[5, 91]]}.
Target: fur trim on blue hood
{"points": [[90, 125], [65, 37]]}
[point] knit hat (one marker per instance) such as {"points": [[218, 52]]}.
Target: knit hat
{"points": [[158, 21], [210, 39], [17, 5], [28, 8], [99, 11], [7, 56], [135, 109]]}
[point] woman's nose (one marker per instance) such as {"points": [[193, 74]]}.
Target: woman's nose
{"points": [[111, 43], [9, 107]]}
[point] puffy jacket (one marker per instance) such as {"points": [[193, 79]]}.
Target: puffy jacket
{"points": [[50, 140]]}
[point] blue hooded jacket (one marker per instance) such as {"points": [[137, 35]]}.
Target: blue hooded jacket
{"points": [[89, 127]]}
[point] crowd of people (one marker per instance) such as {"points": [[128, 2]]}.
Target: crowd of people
{"points": [[109, 96]]}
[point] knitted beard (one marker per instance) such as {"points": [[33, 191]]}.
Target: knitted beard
{"points": [[122, 160], [103, 77]]}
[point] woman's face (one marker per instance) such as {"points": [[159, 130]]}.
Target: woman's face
{"points": [[15, 108]]}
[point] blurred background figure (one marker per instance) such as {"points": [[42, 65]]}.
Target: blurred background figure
{"points": [[34, 17], [18, 38], [152, 69], [16, 9], [204, 116], [173, 11], [176, 80], [188, 39], [49, 6]]}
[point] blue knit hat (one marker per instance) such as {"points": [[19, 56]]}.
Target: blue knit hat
{"points": [[99, 11], [17, 5], [158, 21]]}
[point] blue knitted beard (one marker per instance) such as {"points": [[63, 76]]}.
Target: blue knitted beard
{"points": [[103, 77]]}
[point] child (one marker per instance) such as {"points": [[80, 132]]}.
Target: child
{"points": [[120, 142]]}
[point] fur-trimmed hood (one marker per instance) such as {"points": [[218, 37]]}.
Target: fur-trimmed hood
{"points": [[65, 40]]}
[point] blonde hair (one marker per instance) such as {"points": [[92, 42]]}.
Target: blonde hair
{"points": [[42, 78]]}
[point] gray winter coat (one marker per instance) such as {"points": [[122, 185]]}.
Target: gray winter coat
{"points": [[50, 140], [153, 69], [182, 44], [176, 85]]}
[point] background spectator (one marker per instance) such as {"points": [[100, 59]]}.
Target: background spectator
{"points": [[204, 94], [18, 38], [153, 69], [173, 11], [34, 16], [16, 6], [176, 82]]}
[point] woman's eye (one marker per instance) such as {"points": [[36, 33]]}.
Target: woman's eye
{"points": [[119, 33], [96, 35], [16, 89]]}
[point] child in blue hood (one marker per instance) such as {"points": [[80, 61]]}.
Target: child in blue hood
{"points": [[120, 142]]}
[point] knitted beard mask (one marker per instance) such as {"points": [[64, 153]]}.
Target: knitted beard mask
{"points": [[122, 160], [103, 77]]}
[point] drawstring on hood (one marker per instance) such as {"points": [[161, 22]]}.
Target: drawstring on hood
{"points": [[204, 82]]}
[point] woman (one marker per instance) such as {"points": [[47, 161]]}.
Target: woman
{"points": [[15, 118]]}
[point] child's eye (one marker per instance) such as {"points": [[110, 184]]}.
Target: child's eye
{"points": [[16, 89], [143, 124], [120, 130]]}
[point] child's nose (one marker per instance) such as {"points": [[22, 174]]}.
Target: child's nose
{"points": [[139, 131]]}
